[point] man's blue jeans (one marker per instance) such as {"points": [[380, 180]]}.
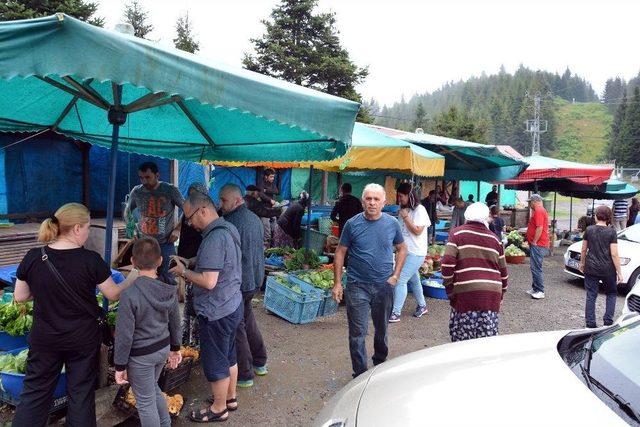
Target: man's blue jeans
{"points": [[362, 299], [537, 253], [409, 276], [592, 285]]}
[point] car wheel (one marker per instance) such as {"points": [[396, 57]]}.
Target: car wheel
{"points": [[624, 289]]}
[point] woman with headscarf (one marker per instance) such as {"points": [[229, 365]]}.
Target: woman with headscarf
{"points": [[475, 276], [190, 240], [288, 227], [414, 222]]}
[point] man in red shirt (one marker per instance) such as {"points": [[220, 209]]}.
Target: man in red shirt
{"points": [[538, 238]]}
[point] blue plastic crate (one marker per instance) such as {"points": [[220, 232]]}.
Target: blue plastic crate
{"points": [[328, 306], [316, 239], [442, 236], [295, 307]]}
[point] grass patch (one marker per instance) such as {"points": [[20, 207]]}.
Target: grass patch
{"points": [[582, 130]]}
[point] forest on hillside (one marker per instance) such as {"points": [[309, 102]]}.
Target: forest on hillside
{"points": [[490, 108]]}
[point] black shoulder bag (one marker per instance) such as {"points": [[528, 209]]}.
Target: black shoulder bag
{"points": [[101, 318]]}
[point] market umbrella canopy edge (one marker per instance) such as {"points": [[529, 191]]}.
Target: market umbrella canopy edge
{"points": [[60, 73]]}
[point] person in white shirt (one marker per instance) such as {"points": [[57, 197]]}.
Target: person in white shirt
{"points": [[414, 222]]}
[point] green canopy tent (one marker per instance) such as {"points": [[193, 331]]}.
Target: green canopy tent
{"points": [[125, 93], [467, 160]]}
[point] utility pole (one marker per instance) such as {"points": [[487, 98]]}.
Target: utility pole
{"points": [[536, 126]]}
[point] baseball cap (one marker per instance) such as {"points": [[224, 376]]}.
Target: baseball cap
{"points": [[535, 198]]}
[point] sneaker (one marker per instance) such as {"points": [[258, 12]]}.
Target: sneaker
{"points": [[420, 311], [260, 370], [531, 291], [394, 318], [537, 295], [245, 384]]}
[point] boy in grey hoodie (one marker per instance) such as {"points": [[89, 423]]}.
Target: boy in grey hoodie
{"points": [[147, 333]]}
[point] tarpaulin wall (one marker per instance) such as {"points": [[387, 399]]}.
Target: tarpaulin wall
{"points": [[126, 177], [222, 176], [41, 174], [188, 173], [507, 197], [45, 172], [300, 182]]}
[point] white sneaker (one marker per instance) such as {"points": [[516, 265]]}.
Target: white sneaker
{"points": [[531, 292], [537, 295]]}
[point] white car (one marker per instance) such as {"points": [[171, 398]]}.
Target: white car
{"points": [[588, 377], [632, 302], [628, 250]]}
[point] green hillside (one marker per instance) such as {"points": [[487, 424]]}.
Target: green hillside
{"points": [[581, 131]]}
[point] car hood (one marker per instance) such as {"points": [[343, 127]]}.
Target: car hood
{"points": [[505, 380], [626, 248]]}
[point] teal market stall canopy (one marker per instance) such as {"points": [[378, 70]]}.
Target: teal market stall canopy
{"points": [[125, 93], [609, 190], [60, 73], [467, 160]]}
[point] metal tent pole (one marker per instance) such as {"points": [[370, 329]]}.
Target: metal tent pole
{"points": [[478, 192], [570, 214], [307, 237], [117, 118]]}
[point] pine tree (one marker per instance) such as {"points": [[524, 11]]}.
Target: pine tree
{"points": [[630, 133], [303, 47], [185, 39], [615, 147], [420, 119], [11, 10], [135, 15]]}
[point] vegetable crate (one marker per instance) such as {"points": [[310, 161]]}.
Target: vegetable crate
{"points": [[317, 239], [328, 306], [295, 307], [174, 378]]}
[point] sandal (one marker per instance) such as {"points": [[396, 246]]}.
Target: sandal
{"points": [[209, 416], [232, 404]]}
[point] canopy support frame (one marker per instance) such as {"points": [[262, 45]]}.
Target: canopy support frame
{"points": [[195, 122], [150, 100], [85, 89], [72, 91], [64, 113]]}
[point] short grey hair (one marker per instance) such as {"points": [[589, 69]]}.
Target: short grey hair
{"points": [[231, 188], [197, 199], [375, 187]]}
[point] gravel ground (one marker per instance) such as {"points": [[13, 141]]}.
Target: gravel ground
{"points": [[308, 364]]}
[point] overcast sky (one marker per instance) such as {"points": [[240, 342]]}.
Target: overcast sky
{"points": [[416, 46]]}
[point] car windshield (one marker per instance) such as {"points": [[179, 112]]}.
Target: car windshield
{"points": [[632, 234], [614, 363]]}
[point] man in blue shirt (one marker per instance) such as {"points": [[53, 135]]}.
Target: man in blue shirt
{"points": [[369, 238]]}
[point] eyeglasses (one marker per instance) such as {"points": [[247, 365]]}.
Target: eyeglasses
{"points": [[188, 221]]}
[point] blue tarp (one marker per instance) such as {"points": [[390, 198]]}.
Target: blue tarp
{"points": [[240, 176], [45, 172], [127, 176], [189, 173]]}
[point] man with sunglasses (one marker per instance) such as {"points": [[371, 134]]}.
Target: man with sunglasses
{"points": [[156, 200], [216, 273]]}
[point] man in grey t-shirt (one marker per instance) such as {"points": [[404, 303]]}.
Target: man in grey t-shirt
{"points": [[217, 278], [156, 201]]}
